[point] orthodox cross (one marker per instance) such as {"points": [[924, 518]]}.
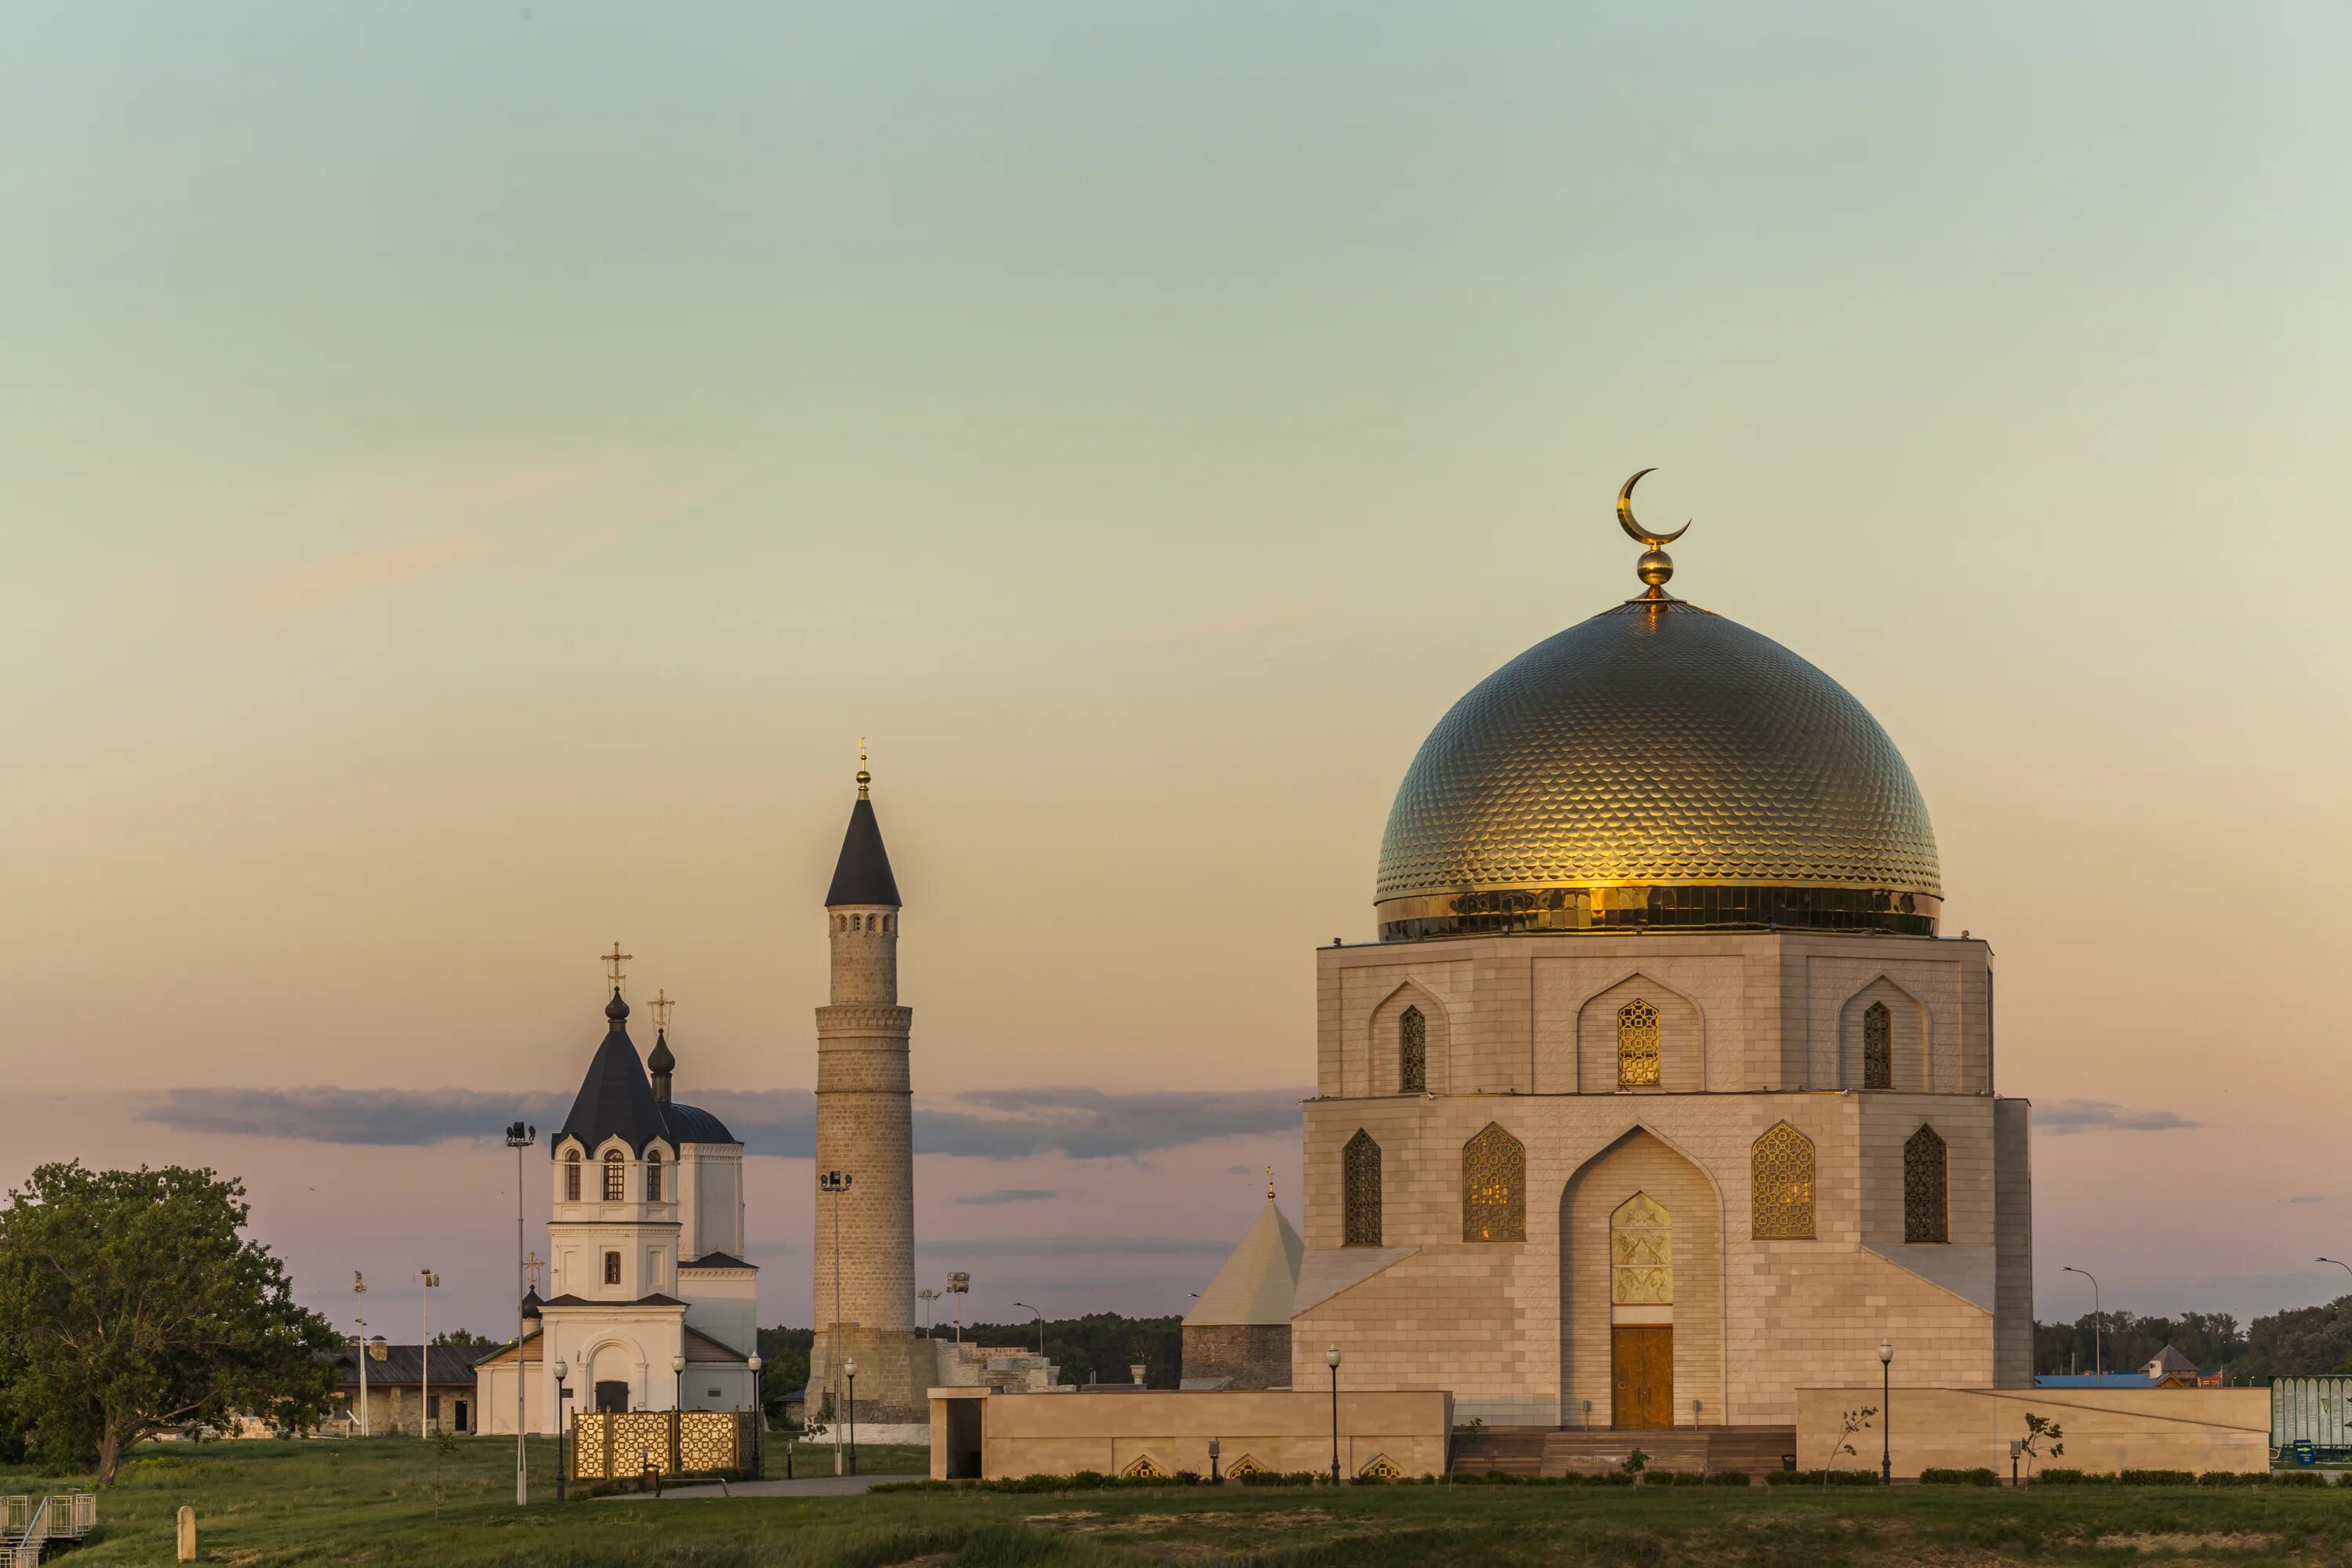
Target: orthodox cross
{"points": [[531, 1265], [662, 1005], [613, 962]]}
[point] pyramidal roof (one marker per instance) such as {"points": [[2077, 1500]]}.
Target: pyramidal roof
{"points": [[1259, 1280], [615, 1098]]}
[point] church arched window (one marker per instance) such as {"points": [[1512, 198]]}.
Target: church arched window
{"points": [[653, 1176], [1780, 1185], [1640, 1254], [1413, 1052], [1926, 1213], [1637, 1044], [572, 1177], [616, 1177], [1359, 1173], [612, 1268], [1493, 1187], [1877, 1048]]}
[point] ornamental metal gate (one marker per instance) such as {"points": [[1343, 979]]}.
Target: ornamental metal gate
{"points": [[611, 1443]]}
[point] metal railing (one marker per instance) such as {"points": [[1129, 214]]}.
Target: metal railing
{"points": [[28, 1524]]}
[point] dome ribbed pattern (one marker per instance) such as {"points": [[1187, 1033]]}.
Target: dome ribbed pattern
{"points": [[1659, 744]]}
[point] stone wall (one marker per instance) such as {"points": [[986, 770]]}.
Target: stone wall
{"points": [[1060, 1434], [2106, 1429], [1244, 1355]]}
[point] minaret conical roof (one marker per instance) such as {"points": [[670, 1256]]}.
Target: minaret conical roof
{"points": [[862, 874]]}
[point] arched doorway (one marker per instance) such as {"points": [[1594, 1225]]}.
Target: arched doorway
{"points": [[1641, 1270]]}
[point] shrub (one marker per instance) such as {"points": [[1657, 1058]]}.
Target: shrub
{"points": [[1727, 1479], [2302, 1478], [2156, 1477], [1980, 1476], [1821, 1477], [2233, 1478]]}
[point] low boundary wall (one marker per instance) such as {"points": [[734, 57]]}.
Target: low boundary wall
{"points": [[1399, 1433], [2105, 1429]]}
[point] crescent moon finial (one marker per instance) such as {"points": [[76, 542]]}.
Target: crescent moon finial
{"points": [[1655, 565]]}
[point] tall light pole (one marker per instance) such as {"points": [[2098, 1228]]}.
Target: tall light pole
{"points": [[959, 1286], [1041, 1326], [835, 1185], [926, 1296], [1886, 1413], [1331, 1360], [2337, 1261], [2098, 1359], [359, 1293], [520, 1137], [426, 1281]]}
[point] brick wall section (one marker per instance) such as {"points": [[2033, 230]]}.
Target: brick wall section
{"points": [[2013, 1340], [1247, 1355]]}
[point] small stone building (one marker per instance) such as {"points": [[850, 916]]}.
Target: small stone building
{"points": [[399, 1394], [1237, 1334]]}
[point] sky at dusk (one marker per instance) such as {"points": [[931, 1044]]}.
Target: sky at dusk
{"points": [[470, 474]]}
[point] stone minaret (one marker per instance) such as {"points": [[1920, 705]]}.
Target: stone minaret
{"points": [[864, 1128]]}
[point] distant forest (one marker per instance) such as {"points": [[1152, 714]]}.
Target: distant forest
{"points": [[2298, 1343]]}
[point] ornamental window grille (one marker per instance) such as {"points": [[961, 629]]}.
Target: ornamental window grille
{"points": [[571, 1177], [612, 1268], [616, 1177], [1493, 1187], [1360, 1165], [1637, 1044], [1877, 1048], [1781, 1184], [653, 1175], [1926, 1214], [1413, 1052], [1640, 1254]]}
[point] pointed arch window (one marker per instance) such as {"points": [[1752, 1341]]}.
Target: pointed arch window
{"points": [[1493, 1187], [1640, 1254], [1926, 1214], [1359, 1169], [1780, 1185], [653, 1175], [616, 1177], [1637, 1045], [1413, 1052], [572, 1177], [1877, 1048]]}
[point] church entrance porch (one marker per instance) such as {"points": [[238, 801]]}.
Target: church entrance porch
{"points": [[1641, 1376]]}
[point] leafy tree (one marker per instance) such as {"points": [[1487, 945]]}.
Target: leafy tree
{"points": [[131, 1305], [462, 1338]]}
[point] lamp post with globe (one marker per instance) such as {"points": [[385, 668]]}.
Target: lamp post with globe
{"points": [[1886, 1413], [1331, 1360]]}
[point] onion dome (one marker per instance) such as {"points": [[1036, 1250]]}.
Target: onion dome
{"points": [[1657, 766], [532, 1304], [659, 1064]]}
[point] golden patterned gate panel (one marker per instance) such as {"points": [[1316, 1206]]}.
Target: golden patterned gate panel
{"points": [[608, 1444], [707, 1440]]}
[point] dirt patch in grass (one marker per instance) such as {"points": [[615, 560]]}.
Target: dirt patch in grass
{"points": [[2185, 1540]]}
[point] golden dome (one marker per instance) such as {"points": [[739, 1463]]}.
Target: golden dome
{"points": [[1657, 767]]}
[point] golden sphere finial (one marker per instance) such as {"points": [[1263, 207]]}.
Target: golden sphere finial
{"points": [[1655, 565], [864, 778]]}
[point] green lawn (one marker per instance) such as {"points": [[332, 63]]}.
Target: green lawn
{"points": [[393, 1501]]}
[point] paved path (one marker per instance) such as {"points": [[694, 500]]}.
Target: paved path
{"points": [[806, 1486]]}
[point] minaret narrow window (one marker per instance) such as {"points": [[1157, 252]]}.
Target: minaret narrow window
{"points": [[1877, 1048], [1413, 1052], [1780, 1185], [1493, 1187], [1926, 1213], [1637, 1045], [1360, 1167], [572, 1177], [653, 1176], [616, 1177]]}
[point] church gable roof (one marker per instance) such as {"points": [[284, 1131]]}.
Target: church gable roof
{"points": [[616, 1100], [1259, 1280], [862, 874]]}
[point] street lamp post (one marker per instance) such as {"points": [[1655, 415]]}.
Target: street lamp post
{"points": [[358, 1293], [759, 1419], [1041, 1323], [850, 1366], [1886, 1413], [926, 1296], [562, 1392], [426, 1280], [2337, 1261], [1331, 1360], [2098, 1340], [959, 1286], [520, 1136], [835, 1185], [678, 1369]]}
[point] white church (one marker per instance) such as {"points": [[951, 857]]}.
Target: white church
{"points": [[650, 1305]]}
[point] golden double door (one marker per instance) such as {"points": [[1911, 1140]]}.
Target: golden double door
{"points": [[1640, 1376]]}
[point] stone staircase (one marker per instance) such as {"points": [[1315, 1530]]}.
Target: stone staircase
{"points": [[1559, 1451]]}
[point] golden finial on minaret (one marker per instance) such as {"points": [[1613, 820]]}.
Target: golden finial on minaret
{"points": [[662, 1005], [613, 962], [1655, 565], [864, 778], [1269, 1184]]}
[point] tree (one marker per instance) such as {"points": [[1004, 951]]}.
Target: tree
{"points": [[462, 1338], [132, 1305]]}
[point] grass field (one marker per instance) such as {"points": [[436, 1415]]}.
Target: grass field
{"points": [[395, 1501]]}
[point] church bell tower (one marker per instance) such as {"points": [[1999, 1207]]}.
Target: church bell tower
{"points": [[864, 1234]]}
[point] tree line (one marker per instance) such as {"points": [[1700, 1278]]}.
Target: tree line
{"points": [[2303, 1341]]}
